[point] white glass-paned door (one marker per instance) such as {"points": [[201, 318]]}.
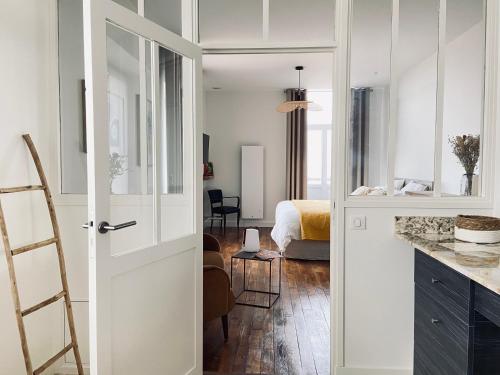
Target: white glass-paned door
{"points": [[144, 191]]}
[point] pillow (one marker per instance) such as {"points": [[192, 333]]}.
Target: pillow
{"points": [[379, 190], [414, 186], [399, 183], [362, 190]]}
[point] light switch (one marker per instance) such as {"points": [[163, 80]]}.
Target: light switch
{"points": [[358, 222]]}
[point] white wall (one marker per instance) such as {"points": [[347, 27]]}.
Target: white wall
{"points": [[71, 72], [416, 121], [234, 119], [379, 290], [462, 109], [26, 107]]}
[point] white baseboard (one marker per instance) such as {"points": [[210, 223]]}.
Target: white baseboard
{"points": [[371, 371]]}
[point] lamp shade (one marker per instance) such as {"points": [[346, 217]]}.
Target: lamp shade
{"points": [[251, 241]]}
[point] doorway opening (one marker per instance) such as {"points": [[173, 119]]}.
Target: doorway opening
{"points": [[252, 152]]}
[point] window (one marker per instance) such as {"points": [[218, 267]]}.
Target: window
{"points": [[417, 98], [319, 150]]}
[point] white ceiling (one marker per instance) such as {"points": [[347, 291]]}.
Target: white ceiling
{"points": [[267, 72]]}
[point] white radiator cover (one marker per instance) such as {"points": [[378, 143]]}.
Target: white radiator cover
{"points": [[252, 182]]}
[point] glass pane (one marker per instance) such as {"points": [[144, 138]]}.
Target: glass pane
{"points": [[230, 21], [130, 146], [316, 20], [72, 98], [328, 156], [129, 4], [324, 100], [370, 83], [176, 145], [166, 13], [463, 96], [314, 156], [417, 72]]}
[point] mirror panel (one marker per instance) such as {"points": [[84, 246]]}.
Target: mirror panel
{"points": [[298, 21], [370, 90], [463, 97], [166, 13], [416, 59], [226, 22]]}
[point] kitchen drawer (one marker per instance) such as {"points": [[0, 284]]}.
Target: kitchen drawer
{"points": [[441, 339], [444, 284], [487, 303]]}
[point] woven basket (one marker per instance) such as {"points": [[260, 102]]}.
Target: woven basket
{"points": [[478, 229], [481, 223]]}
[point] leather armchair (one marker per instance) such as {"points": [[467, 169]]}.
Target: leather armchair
{"points": [[218, 298]]}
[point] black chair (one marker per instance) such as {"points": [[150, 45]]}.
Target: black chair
{"points": [[219, 210]]}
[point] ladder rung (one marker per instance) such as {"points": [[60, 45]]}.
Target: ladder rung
{"points": [[18, 189], [48, 301], [51, 361], [34, 246]]}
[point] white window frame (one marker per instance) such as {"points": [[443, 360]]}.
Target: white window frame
{"points": [[485, 199]]}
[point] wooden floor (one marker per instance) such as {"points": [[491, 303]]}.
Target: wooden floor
{"points": [[292, 337]]}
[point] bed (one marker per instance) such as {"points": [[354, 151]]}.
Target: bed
{"points": [[402, 186], [287, 235]]}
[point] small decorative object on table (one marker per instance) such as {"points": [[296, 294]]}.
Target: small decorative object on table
{"points": [[477, 229], [251, 240], [466, 149]]}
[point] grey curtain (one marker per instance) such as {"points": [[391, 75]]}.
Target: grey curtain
{"points": [[296, 148], [358, 142]]}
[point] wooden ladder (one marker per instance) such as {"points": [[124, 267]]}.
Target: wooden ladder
{"points": [[10, 253]]}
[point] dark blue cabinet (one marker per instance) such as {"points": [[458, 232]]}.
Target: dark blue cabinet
{"points": [[456, 322]]}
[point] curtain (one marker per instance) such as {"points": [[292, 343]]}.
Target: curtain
{"points": [[171, 122], [358, 142], [296, 148]]}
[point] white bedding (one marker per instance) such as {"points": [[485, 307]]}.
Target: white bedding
{"points": [[287, 227]]}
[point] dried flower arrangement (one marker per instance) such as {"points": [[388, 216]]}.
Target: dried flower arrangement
{"points": [[466, 149]]}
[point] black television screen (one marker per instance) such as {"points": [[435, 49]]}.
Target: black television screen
{"points": [[206, 143]]}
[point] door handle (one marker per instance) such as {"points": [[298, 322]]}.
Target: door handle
{"points": [[88, 225], [104, 226]]}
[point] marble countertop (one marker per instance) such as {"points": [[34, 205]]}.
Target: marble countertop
{"points": [[435, 237]]}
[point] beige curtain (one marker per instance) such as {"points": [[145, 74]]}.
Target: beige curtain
{"points": [[296, 148]]}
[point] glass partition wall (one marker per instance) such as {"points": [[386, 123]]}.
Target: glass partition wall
{"points": [[416, 98]]}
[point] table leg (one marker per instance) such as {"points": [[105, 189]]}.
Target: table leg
{"points": [[244, 274], [270, 282], [279, 285]]}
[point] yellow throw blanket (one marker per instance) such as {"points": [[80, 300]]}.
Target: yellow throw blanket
{"points": [[314, 219]]}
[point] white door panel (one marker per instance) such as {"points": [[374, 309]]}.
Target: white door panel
{"points": [[143, 108]]}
